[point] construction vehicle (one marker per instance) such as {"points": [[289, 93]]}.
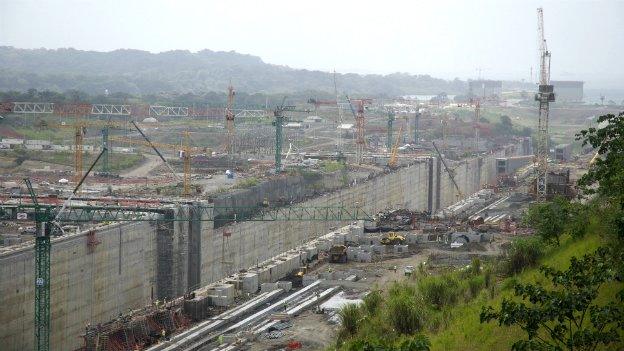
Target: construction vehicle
{"points": [[338, 254], [298, 278], [408, 270], [392, 238]]}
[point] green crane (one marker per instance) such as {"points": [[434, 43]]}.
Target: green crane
{"points": [[389, 137], [45, 220], [48, 216]]}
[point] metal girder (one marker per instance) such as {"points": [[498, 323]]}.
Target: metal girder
{"points": [[250, 113], [168, 111], [33, 107], [204, 214], [115, 110]]}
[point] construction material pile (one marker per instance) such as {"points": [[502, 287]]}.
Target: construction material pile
{"points": [[396, 220]]}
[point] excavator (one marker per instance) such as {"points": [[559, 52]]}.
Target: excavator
{"points": [[392, 238]]}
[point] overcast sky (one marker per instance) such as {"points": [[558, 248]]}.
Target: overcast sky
{"points": [[442, 38]]}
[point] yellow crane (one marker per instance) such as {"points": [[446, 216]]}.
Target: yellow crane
{"points": [[185, 151], [392, 162]]}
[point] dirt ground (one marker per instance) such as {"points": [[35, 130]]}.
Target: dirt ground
{"points": [[316, 332]]}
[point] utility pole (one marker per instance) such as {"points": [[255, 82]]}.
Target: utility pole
{"points": [[544, 96]]}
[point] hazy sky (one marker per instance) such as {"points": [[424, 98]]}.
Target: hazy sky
{"points": [[442, 38]]}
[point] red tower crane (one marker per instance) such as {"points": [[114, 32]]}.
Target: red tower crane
{"points": [[360, 141]]}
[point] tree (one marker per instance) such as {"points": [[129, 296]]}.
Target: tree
{"points": [[608, 168], [548, 219], [567, 316]]}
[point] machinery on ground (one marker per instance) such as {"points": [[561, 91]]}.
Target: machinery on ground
{"points": [[392, 238], [338, 254]]}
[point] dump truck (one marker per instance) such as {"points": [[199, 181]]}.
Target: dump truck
{"points": [[393, 238], [298, 278], [338, 254]]}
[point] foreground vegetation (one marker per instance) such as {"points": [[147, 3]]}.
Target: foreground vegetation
{"points": [[573, 301]]}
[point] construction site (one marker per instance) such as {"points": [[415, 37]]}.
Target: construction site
{"points": [[149, 227]]}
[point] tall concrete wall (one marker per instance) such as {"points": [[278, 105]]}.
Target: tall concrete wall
{"points": [[253, 242], [86, 287], [413, 187], [137, 262]]}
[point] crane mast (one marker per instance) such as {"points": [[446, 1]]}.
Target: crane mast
{"points": [[544, 96], [229, 120], [475, 124]]}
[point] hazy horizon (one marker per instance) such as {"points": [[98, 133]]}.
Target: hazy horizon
{"points": [[445, 39]]}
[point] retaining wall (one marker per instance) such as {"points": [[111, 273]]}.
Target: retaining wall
{"points": [[87, 286]]}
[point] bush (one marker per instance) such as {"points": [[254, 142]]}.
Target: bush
{"points": [[372, 302], [487, 277], [475, 284], [441, 290], [406, 313], [349, 316], [247, 183], [523, 253], [475, 266]]}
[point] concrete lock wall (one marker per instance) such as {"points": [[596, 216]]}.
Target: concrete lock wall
{"points": [[135, 263], [87, 285], [228, 249]]}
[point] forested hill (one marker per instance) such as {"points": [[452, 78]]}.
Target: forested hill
{"points": [[140, 72]]}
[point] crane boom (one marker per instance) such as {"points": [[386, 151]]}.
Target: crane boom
{"points": [[395, 150], [155, 149], [449, 171]]}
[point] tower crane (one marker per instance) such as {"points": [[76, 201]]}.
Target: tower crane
{"points": [[545, 95], [229, 120], [389, 136], [360, 142]]}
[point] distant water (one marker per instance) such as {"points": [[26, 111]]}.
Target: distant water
{"points": [[592, 96], [426, 97]]}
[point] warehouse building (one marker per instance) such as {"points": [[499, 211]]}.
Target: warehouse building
{"points": [[568, 90]]}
